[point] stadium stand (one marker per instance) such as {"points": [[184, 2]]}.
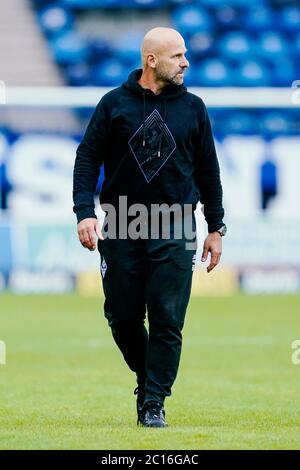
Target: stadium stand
{"points": [[261, 32], [29, 64], [25, 61], [237, 43]]}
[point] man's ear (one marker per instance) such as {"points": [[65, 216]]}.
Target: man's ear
{"points": [[152, 60]]}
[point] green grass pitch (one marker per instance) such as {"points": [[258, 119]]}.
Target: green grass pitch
{"points": [[65, 385]]}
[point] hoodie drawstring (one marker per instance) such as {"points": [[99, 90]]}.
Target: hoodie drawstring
{"points": [[144, 119], [162, 132]]}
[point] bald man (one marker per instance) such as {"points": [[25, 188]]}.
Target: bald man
{"points": [[155, 141]]}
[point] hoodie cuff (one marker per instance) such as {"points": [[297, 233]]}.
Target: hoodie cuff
{"points": [[215, 227], [85, 213]]}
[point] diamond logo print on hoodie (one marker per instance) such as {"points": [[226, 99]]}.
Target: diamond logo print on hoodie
{"points": [[159, 145]]}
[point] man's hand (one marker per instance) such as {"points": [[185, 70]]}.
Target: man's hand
{"points": [[87, 230], [213, 245]]}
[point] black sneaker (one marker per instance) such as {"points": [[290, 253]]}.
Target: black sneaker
{"points": [[153, 415], [139, 402]]}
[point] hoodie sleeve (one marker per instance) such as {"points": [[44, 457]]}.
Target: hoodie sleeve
{"points": [[207, 174], [89, 158]]}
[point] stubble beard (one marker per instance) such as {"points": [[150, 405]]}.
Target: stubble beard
{"points": [[163, 76]]}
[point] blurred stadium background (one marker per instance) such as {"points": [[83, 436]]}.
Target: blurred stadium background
{"points": [[245, 62]]}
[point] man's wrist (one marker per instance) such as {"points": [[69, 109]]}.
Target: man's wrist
{"points": [[85, 214], [221, 231]]}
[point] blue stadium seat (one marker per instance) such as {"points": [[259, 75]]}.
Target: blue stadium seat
{"points": [[227, 18], [284, 72], [258, 18], [213, 72], [99, 49], [290, 18], [239, 122], [128, 51], [274, 122], [191, 19], [235, 45], [272, 44], [252, 73], [69, 48], [110, 72], [200, 44], [55, 20], [79, 74]]}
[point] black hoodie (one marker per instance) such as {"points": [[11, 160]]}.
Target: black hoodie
{"points": [[155, 149]]}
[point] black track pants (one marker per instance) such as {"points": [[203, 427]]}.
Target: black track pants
{"points": [[153, 276]]}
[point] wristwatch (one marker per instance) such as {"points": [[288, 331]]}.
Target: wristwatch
{"points": [[222, 230]]}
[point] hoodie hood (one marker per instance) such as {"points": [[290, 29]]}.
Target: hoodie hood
{"points": [[169, 92]]}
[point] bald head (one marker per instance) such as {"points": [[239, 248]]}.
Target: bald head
{"points": [[163, 55], [157, 40]]}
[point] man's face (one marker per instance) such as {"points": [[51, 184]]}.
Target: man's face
{"points": [[171, 64]]}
